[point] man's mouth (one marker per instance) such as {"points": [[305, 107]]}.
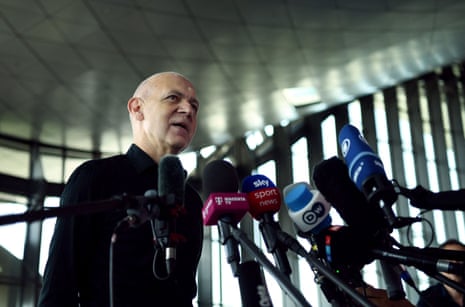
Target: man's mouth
{"points": [[180, 124]]}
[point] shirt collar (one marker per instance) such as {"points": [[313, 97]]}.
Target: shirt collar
{"points": [[142, 161], [139, 159]]}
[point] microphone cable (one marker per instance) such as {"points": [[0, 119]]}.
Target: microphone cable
{"points": [[157, 256]]}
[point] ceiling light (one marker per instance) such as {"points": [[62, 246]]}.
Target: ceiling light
{"points": [[299, 96], [269, 130]]}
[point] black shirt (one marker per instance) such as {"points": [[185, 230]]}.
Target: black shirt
{"points": [[436, 295], [77, 270]]}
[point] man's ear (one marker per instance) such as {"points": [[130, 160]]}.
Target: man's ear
{"points": [[135, 108]]}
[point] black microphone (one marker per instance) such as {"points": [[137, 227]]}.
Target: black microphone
{"points": [[252, 284], [171, 185], [343, 245], [224, 205], [420, 258], [332, 179]]}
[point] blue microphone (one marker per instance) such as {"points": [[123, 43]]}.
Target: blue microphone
{"points": [[360, 158], [367, 171]]}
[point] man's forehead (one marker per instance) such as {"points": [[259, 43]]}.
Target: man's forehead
{"points": [[183, 89]]}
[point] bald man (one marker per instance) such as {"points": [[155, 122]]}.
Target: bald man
{"points": [[163, 115]]}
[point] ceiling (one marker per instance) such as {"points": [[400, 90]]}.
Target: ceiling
{"points": [[68, 67]]}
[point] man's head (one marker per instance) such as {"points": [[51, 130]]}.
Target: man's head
{"points": [[163, 114]]}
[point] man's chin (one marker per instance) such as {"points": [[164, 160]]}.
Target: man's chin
{"points": [[178, 146]]}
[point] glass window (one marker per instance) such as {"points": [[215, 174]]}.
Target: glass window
{"points": [[269, 170], [48, 226], [52, 167], [71, 164], [300, 173], [14, 162], [13, 236], [225, 286], [329, 137], [300, 168]]}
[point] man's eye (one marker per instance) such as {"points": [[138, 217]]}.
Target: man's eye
{"points": [[172, 97]]}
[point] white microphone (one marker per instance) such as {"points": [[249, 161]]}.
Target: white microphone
{"points": [[308, 208]]}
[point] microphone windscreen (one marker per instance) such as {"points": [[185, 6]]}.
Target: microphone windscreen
{"points": [[262, 194], [360, 158], [256, 182], [220, 191], [307, 208], [219, 176], [171, 179], [332, 180]]}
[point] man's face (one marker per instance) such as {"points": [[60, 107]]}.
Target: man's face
{"points": [[170, 113]]}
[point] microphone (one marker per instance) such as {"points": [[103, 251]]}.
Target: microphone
{"points": [[332, 178], [224, 205], [264, 201], [171, 185], [309, 211], [367, 171], [422, 260], [252, 284], [307, 208], [303, 202], [342, 245]]}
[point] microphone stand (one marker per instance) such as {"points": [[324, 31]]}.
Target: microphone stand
{"points": [[134, 206], [424, 260], [289, 288], [296, 247], [439, 253], [269, 227], [119, 202], [230, 244]]}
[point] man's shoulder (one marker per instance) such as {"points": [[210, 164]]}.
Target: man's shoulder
{"points": [[102, 162], [92, 168]]}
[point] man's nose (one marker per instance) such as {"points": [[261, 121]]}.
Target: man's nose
{"points": [[186, 107]]}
